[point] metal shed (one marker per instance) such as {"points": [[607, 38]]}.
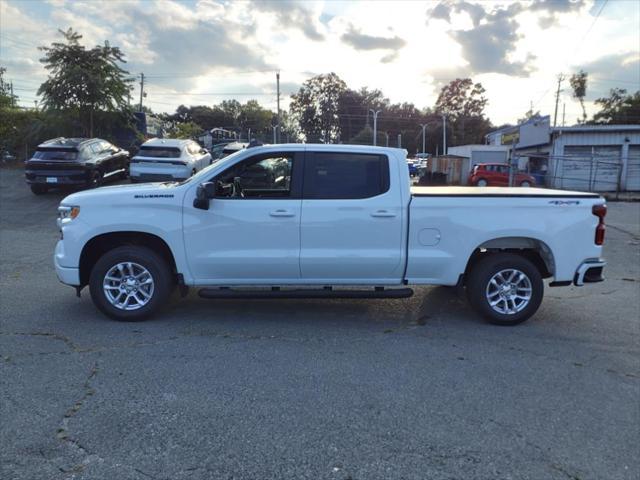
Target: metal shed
{"points": [[603, 158]]}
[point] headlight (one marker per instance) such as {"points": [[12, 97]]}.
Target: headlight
{"points": [[68, 212]]}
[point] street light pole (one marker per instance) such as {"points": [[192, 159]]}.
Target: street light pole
{"points": [[424, 131], [444, 135], [275, 128], [375, 125]]}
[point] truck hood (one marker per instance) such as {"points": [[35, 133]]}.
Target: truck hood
{"points": [[125, 194]]}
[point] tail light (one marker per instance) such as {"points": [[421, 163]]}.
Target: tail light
{"points": [[600, 211]]}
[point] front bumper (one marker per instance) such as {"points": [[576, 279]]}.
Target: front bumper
{"points": [[67, 275], [589, 272]]}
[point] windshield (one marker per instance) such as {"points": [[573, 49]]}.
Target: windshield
{"points": [[159, 152], [56, 154]]}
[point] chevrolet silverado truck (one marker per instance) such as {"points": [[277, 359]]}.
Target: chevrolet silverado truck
{"points": [[336, 221]]}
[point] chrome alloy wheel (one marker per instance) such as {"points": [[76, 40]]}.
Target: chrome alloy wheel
{"points": [[509, 291], [128, 286]]}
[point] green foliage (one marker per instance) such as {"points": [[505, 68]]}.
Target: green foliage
{"points": [[618, 108], [83, 81], [461, 98], [229, 114], [187, 130], [316, 106], [463, 103], [578, 82], [7, 99]]}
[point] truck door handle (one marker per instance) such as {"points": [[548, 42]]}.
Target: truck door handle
{"points": [[281, 213], [383, 213]]}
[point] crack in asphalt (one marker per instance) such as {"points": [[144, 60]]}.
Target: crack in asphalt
{"points": [[66, 340], [63, 433], [622, 230]]}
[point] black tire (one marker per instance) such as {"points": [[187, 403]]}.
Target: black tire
{"points": [[486, 184], [96, 179], [525, 183], [160, 272], [39, 189], [481, 275]]}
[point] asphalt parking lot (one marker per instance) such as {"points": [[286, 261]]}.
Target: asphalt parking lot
{"points": [[337, 389]]}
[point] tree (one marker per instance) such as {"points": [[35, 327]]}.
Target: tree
{"points": [[529, 114], [461, 98], [83, 81], [578, 82], [618, 108], [463, 103], [316, 107], [185, 130], [7, 98]]}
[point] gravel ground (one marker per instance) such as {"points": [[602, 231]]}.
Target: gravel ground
{"points": [[336, 389]]}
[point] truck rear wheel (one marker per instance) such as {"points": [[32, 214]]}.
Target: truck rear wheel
{"points": [[130, 283], [505, 288]]}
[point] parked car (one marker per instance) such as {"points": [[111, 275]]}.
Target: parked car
{"points": [[87, 162], [163, 159], [413, 167], [325, 217], [497, 175], [233, 147]]}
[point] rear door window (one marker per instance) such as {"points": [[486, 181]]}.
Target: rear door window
{"points": [[345, 175]]}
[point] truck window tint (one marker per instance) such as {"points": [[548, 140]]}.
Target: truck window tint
{"points": [[345, 175], [159, 152], [257, 178]]}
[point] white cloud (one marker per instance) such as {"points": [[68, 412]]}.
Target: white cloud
{"points": [[407, 49]]}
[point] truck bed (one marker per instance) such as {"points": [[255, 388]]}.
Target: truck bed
{"points": [[497, 192]]}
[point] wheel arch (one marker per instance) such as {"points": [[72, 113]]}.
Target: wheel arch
{"points": [[533, 249], [101, 244]]}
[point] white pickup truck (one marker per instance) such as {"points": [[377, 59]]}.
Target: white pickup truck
{"points": [[341, 221]]}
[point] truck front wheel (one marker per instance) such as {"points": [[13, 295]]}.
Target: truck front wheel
{"points": [[130, 283], [506, 289]]}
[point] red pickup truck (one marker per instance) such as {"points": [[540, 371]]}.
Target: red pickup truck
{"points": [[497, 175]]}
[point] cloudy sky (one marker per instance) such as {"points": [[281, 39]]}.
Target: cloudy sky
{"points": [[203, 51]]}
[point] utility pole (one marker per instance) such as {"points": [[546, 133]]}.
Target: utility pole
{"points": [[563, 107], [275, 129], [13, 99], [387, 135], [555, 115], [375, 125], [277, 139], [141, 90], [424, 131], [444, 135], [399, 140]]}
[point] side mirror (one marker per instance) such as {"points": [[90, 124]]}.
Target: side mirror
{"points": [[204, 150], [205, 192]]}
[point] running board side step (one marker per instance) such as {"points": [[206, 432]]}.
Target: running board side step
{"points": [[326, 292]]}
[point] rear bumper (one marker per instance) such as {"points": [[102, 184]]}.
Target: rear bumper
{"points": [[57, 177], [142, 172], [589, 272]]}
